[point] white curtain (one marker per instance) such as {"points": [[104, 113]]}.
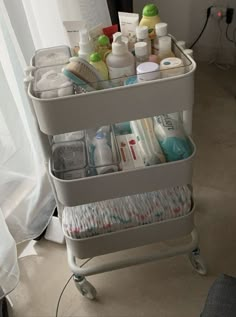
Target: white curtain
{"points": [[26, 199], [45, 18]]}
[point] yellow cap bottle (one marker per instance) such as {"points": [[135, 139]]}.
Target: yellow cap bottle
{"points": [[150, 19], [97, 62]]}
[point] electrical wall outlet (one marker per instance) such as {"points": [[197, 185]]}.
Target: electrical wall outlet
{"points": [[218, 12]]}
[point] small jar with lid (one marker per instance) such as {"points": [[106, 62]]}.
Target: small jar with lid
{"points": [[148, 71]]}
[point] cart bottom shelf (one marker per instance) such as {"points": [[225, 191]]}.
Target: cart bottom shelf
{"points": [[131, 238]]}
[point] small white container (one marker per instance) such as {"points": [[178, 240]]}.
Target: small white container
{"points": [[141, 52], [160, 30], [171, 67], [142, 36], [148, 71]]}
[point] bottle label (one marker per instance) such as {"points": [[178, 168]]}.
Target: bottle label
{"points": [[118, 75]]}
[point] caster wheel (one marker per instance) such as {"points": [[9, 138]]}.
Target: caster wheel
{"points": [[197, 262], [85, 288]]}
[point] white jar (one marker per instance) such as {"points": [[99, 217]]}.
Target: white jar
{"points": [[148, 71]]}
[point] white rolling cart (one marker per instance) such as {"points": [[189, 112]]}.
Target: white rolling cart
{"points": [[108, 106]]}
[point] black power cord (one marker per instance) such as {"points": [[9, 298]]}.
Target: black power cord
{"points": [[227, 35], [68, 281], [204, 27], [229, 18]]}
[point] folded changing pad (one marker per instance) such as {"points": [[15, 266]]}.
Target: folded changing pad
{"points": [[126, 212]]}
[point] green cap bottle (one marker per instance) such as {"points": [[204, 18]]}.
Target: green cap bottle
{"points": [[95, 57], [150, 10], [103, 40]]}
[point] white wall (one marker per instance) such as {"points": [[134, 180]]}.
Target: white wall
{"points": [[186, 19]]}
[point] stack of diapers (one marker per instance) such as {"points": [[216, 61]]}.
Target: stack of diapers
{"points": [[126, 212]]}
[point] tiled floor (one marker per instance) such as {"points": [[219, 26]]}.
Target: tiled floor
{"points": [[168, 288]]}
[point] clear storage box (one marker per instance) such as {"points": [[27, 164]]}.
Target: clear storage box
{"points": [[58, 55], [71, 136], [69, 160], [50, 82]]}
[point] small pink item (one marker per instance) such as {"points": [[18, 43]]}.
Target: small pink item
{"points": [[153, 58]]}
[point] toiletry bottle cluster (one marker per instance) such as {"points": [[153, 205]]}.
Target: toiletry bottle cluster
{"points": [[102, 58], [142, 48]]}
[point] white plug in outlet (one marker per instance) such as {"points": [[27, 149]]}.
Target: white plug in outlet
{"points": [[218, 12]]}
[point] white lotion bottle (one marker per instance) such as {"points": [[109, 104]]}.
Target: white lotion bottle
{"points": [[120, 61]]}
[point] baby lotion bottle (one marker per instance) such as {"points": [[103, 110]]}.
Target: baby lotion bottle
{"points": [[120, 61], [101, 67], [103, 46], [150, 19]]}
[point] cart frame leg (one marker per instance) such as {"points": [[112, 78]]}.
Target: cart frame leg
{"points": [[116, 265]]}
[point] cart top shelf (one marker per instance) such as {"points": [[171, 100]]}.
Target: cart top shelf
{"points": [[118, 104]]}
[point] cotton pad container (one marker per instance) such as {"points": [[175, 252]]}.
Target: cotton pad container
{"points": [[50, 82], [52, 56]]}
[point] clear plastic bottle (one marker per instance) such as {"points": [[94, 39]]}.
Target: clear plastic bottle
{"points": [[103, 155], [141, 52], [120, 61], [142, 36], [161, 29], [164, 48], [101, 67]]}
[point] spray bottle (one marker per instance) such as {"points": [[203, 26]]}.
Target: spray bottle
{"points": [[85, 45]]}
